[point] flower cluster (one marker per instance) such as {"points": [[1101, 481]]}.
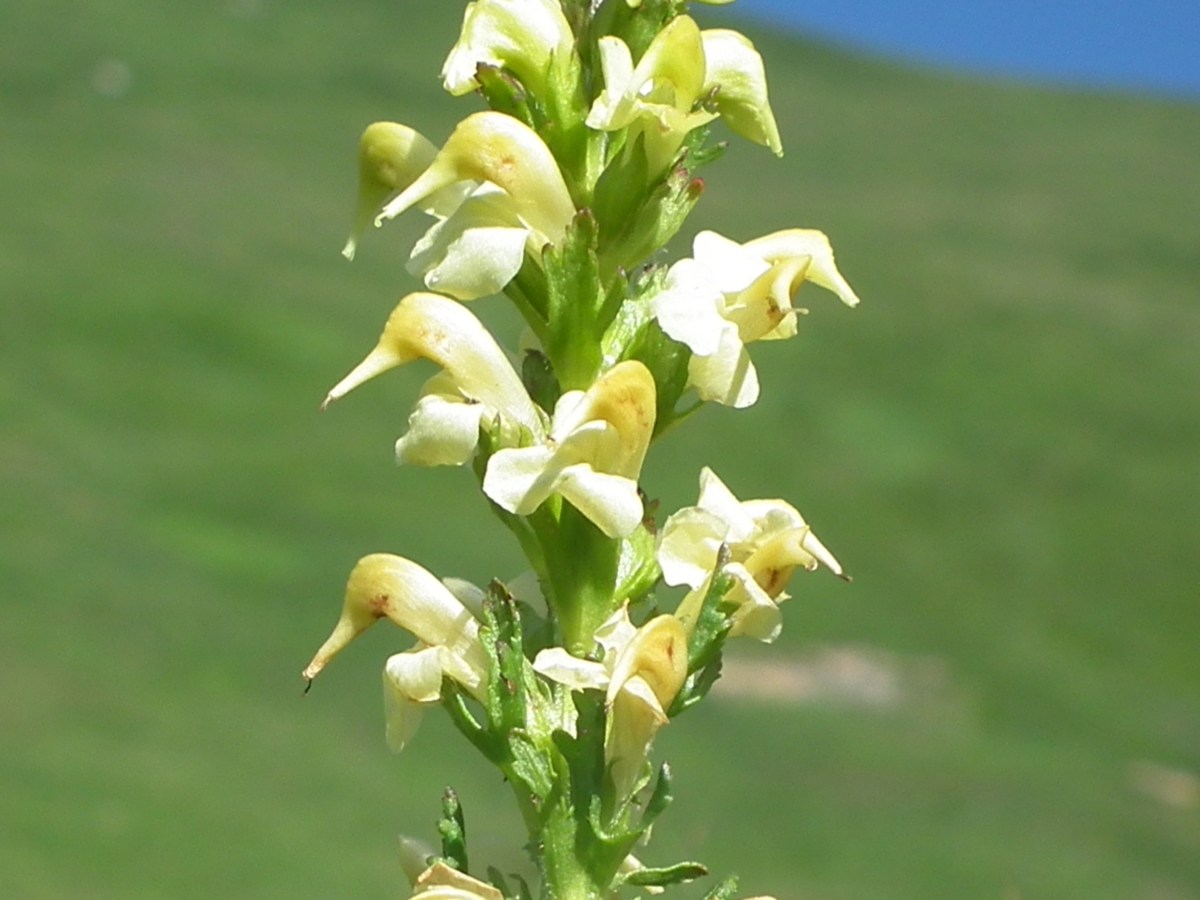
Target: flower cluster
{"points": [[582, 169]]}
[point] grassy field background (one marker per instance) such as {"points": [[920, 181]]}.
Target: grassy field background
{"points": [[1002, 444]]}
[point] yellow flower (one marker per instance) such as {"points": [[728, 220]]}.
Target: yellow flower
{"points": [[767, 541], [498, 195], [527, 37], [657, 99], [734, 67], [727, 295], [494, 147], [385, 586], [592, 455], [477, 382], [641, 671], [390, 158]]}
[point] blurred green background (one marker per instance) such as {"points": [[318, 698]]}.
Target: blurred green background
{"points": [[1001, 445]]}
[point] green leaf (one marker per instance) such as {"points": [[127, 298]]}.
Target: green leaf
{"points": [[505, 93], [660, 798], [658, 218], [518, 892], [637, 567], [575, 297], [501, 636], [712, 622], [530, 765], [485, 741], [667, 875]]}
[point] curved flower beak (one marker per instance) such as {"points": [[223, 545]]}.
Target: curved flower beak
{"points": [[492, 146], [432, 327], [390, 157], [386, 586], [805, 244]]}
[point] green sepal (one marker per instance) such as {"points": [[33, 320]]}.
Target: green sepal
{"points": [[453, 830], [723, 891], [695, 151], [581, 564], [505, 93], [575, 297], [658, 219], [538, 377], [700, 155], [666, 875], [620, 191], [501, 637], [637, 567], [529, 765]]}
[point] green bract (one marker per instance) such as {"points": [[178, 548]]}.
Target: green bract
{"points": [[561, 197]]}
